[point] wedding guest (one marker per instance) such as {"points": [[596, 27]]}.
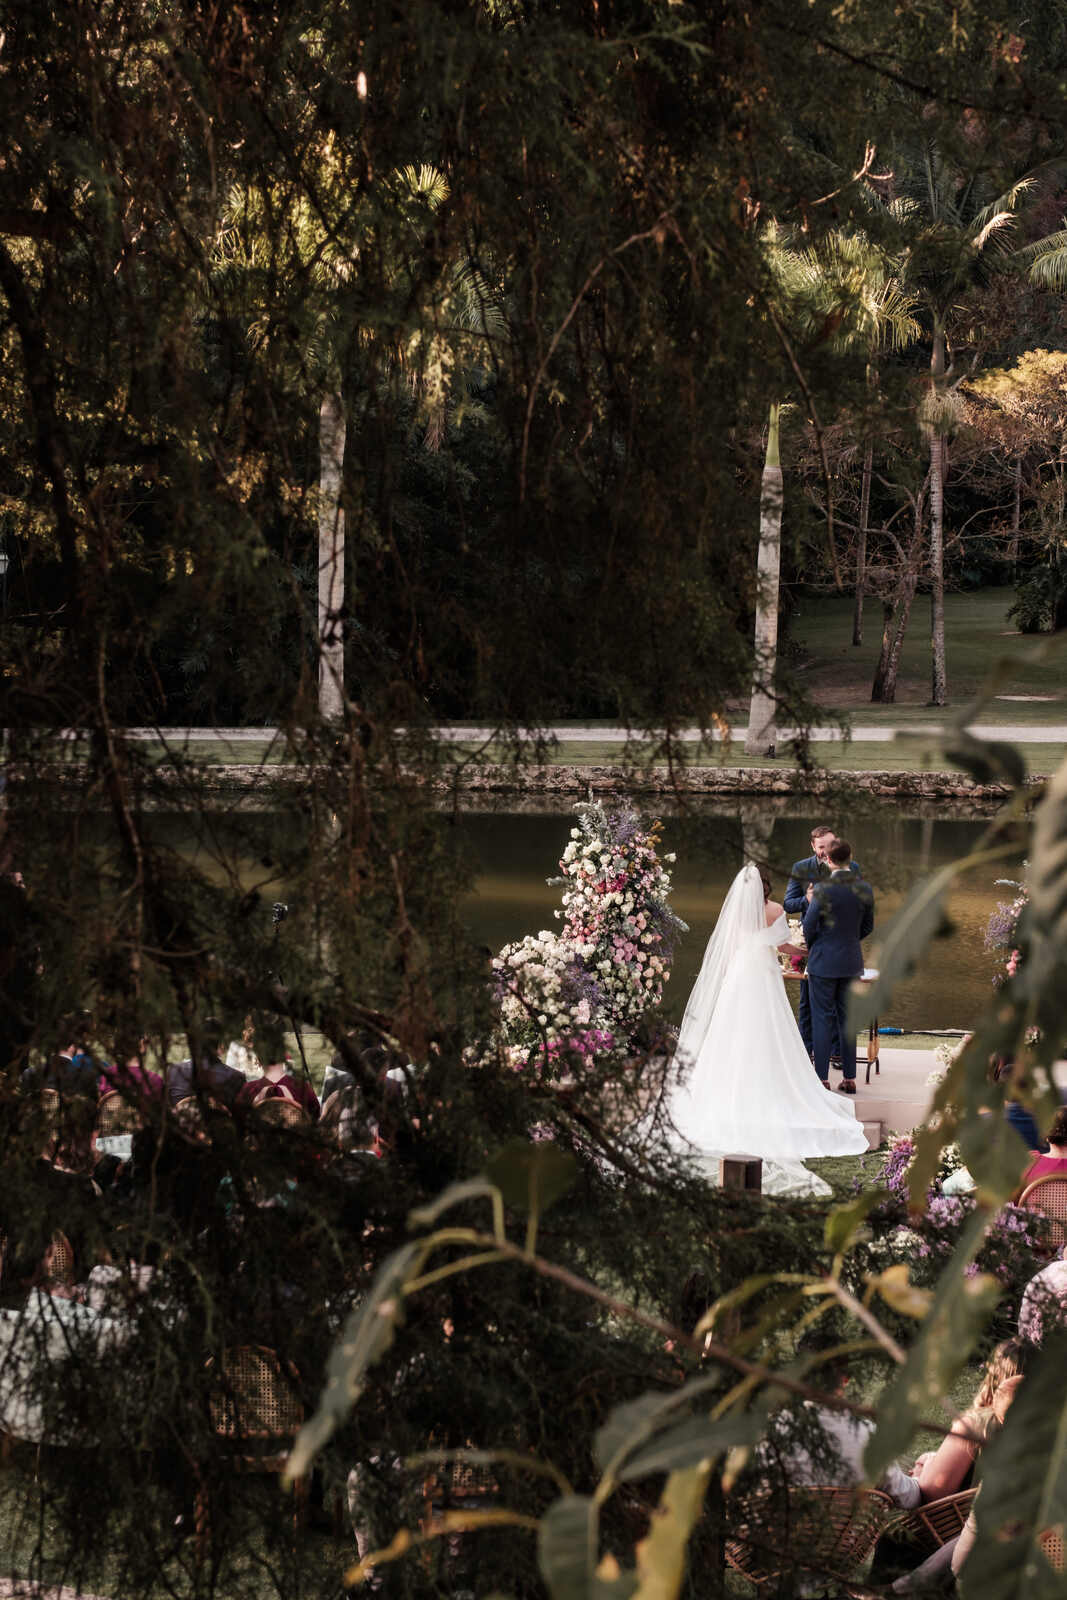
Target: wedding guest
{"points": [[839, 1440], [278, 1076], [1044, 1302], [954, 1553], [948, 1469], [1054, 1162], [211, 1077]]}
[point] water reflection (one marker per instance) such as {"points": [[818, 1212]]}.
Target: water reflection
{"points": [[516, 852]]}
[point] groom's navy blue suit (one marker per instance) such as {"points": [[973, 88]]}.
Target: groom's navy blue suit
{"points": [[810, 870], [839, 915]]}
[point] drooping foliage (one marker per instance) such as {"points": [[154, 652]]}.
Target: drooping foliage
{"points": [[552, 365]]}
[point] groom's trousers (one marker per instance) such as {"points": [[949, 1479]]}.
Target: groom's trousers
{"points": [[807, 1033], [829, 1017]]}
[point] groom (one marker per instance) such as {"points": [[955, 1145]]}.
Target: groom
{"points": [[840, 913], [802, 876]]}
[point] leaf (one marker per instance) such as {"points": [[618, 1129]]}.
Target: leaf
{"points": [[567, 1547], [844, 1223], [915, 924], [987, 760], [1024, 1488], [1047, 873], [636, 1421], [661, 1556], [367, 1335], [688, 1443], [456, 1193], [897, 1290], [957, 1314], [531, 1177]]}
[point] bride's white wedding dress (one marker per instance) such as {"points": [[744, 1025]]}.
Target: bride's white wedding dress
{"points": [[751, 1089]]}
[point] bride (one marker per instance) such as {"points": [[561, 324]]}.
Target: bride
{"points": [[752, 1089]]}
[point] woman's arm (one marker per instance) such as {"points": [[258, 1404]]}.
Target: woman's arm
{"points": [[943, 1473], [773, 912]]}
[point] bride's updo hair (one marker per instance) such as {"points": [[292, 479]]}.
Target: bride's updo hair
{"points": [[766, 882]]}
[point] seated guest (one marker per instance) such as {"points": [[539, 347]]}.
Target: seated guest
{"points": [[835, 1457], [270, 1043], [948, 1469], [1004, 1069], [211, 1078], [70, 1070], [1044, 1302], [1054, 1162], [62, 1196], [953, 1554], [130, 1076]]}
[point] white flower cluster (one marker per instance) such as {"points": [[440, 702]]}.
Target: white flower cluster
{"points": [[580, 991]]}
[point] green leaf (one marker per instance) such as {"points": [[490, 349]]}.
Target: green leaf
{"points": [[918, 921], [367, 1335], [661, 1556], [1047, 872], [632, 1424], [844, 1223], [456, 1193], [531, 1177], [1024, 1488], [688, 1443], [897, 1290], [567, 1547], [957, 1314], [988, 761]]}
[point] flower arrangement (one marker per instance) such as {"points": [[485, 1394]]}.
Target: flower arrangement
{"points": [[578, 993], [1002, 930]]}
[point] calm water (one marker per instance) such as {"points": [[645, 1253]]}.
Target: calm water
{"points": [[517, 852]]}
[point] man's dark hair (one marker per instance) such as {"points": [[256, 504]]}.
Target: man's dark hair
{"points": [[840, 853], [819, 829]]}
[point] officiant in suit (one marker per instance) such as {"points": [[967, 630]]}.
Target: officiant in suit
{"points": [[802, 876], [840, 914]]}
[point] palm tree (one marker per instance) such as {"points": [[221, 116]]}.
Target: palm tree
{"points": [[842, 293], [950, 236]]}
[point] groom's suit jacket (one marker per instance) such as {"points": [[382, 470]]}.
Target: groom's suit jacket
{"points": [[801, 873], [839, 915]]}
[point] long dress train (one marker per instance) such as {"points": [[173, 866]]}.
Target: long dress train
{"points": [[752, 1089]]}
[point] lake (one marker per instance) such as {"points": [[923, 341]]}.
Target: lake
{"points": [[515, 852]]}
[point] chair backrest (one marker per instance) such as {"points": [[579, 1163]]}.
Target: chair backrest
{"points": [[116, 1115], [255, 1398], [1049, 1196], [1052, 1545], [826, 1532], [57, 1263], [942, 1520], [281, 1110]]}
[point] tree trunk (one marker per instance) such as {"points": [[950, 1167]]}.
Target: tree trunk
{"points": [[331, 556], [1016, 512], [889, 611], [938, 687], [889, 688], [762, 735], [861, 548]]}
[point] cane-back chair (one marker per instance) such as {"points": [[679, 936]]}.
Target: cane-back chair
{"points": [[256, 1410], [1049, 1196], [1052, 1545], [116, 1115], [818, 1533]]}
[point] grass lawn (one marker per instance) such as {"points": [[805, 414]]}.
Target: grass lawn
{"points": [[978, 639], [905, 753]]}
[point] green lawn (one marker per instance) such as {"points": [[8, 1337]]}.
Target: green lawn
{"points": [[979, 640]]}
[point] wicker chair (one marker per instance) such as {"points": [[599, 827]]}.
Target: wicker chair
{"points": [[281, 1112], [116, 1115], [1049, 1196], [57, 1264], [934, 1524], [255, 1408], [821, 1533], [1052, 1545]]}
